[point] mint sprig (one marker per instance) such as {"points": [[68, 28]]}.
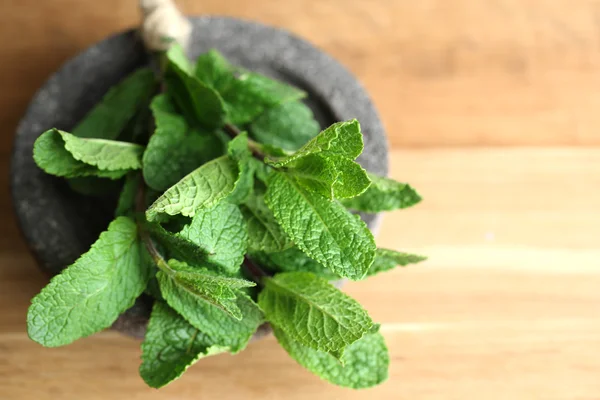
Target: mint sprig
{"points": [[234, 211]]}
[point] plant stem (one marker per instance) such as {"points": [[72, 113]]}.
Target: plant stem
{"points": [[231, 130], [254, 147], [158, 259]]}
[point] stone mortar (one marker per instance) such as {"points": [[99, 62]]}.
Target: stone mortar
{"points": [[59, 225]]}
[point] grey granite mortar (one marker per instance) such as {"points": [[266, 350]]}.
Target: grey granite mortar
{"points": [[59, 225]]}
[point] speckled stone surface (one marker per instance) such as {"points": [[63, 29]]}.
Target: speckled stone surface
{"points": [[59, 225]]}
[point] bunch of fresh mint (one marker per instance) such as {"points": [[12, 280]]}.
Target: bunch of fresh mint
{"points": [[233, 212]]}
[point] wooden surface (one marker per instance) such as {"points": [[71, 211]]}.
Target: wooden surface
{"points": [[493, 111]]}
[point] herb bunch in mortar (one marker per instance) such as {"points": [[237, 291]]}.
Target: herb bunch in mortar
{"points": [[233, 212]]}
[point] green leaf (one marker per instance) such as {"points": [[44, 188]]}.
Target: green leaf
{"points": [[50, 155], [384, 194], [315, 173], [272, 151], [201, 189], [214, 70], [313, 312], [108, 155], [110, 117], [170, 346], [342, 139], [215, 238], [199, 102], [175, 149], [153, 289], [221, 234], [222, 328], [246, 94], [289, 126], [365, 362], [245, 185], [238, 150], [178, 247], [89, 295], [352, 180], [330, 175], [322, 229], [219, 291], [386, 260], [127, 199], [261, 170], [292, 260], [264, 233]]}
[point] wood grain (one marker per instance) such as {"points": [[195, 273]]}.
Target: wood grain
{"points": [[505, 308], [460, 72]]}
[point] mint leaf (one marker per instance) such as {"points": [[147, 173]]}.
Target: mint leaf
{"points": [[384, 194], [365, 362], [178, 247], [273, 151], [330, 175], [170, 346], [288, 125], [175, 149], [110, 117], [199, 102], [245, 185], [221, 234], [313, 312], [264, 233], [201, 189], [352, 180], [222, 328], [108, 155], [89, 295], [315, 173], [128, 196], [153, 289], [292, 260], [50, 155], [238, 150], [342, 139], [386, 260], [214, 70], [246, 94], [219, 291], [216, 238], [261, 170], [322, 229]]}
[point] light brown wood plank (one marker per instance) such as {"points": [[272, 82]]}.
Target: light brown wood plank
{"points": [[460, 72]]}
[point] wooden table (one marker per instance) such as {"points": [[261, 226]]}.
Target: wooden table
{"points": [[493, 111]]}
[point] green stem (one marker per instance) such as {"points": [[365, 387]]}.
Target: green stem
{"points": [[254, 147], [158, 259]]}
